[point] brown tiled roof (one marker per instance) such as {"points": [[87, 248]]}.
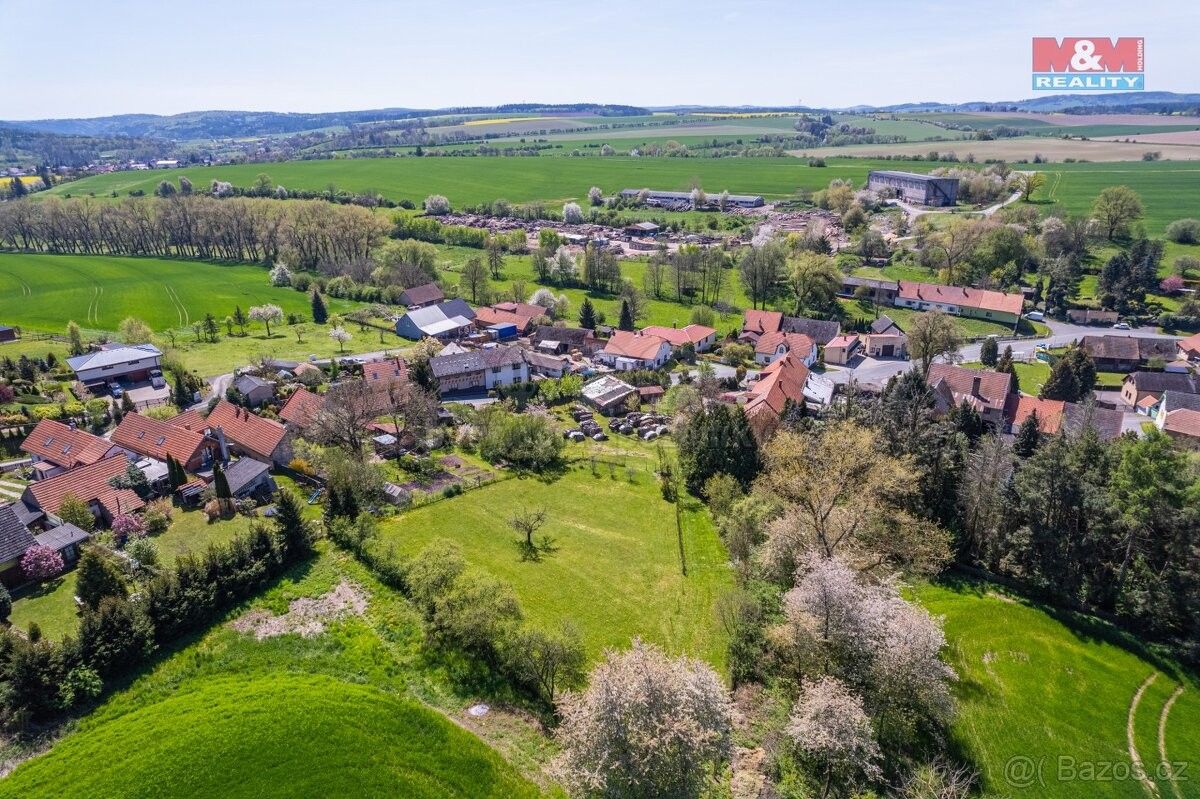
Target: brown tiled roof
{"points": [[423, 294], [249, 431], [781, 381], [63, 445], [963, 297], [1111, 348], [678, 336], [147, 436], [991, 390], [87, 483], [797, 343], [626, 344], [1183, 422], [191, 419], [384, 372], [759, 322], [1190, 346], [1049, 412], [301, 407]]}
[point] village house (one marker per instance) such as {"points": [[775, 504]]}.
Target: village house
{"points": [[778, 386], [995, 306], [609, 394], [1189, 348], [444, 321], [387, 379], [16, 539], [555, 340], [117, 363], [1126, 353], [914, 187], [1178, 415], [1138, 387], [54, 448], [421, 296], [627, 351], [541, 364], [300, 408], [88, 483], [521, 315], [757, 323], [1055, 416], [701, 337], [479, 370], [257, 391], [250, 479], [238, 429], [770, 347], [982, 389], [840, 350], [154, 438], [885, 339], [1091, 316]]}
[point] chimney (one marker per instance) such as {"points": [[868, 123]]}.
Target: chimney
{"points": [[975, 381], [224, 447]]}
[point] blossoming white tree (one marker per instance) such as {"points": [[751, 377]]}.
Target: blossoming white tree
{"points": [[266, 314], [341, 335], [830, 727], [648, 725]]}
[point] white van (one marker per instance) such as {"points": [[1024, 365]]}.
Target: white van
{"points": [[1036, 316]]}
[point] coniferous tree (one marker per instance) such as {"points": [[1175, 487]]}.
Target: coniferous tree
{"points": [[626, 320], [1005, 365], [587, 314], [221, 483], [1028, 437], [293, 530], [718, 440], [97, 578], [989, 352], [319, 313]]}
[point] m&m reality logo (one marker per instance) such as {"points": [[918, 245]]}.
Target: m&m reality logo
{"points": [[1089, 63]]}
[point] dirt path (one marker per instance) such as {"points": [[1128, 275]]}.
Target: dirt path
{"points": [[1163, 760], [1138, 768], [305, 616]]}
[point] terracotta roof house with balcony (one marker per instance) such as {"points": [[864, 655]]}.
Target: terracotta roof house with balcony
{"points": [[54, 447], [248, 433], [88, 483], [300, 408], [701, 337], [770, 347], [154, 438], [1055, 416], [984, 390], [627, 351]]}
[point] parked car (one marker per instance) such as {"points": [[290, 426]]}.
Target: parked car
{"points": [[1121, 326], [115, 390], [1036, 316]]}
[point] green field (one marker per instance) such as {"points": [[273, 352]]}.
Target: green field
{"points": [[478, 180], [616, 568], [1169, 190], [44, 292], [1030, 687], [288, 716]]}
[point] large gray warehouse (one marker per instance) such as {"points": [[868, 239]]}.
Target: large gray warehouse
{"points": [[916, 188]]}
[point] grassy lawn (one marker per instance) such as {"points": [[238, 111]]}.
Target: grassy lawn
{"points": [[334, 715], [1032, 375], [967, 328], [1030, 686], [51, 605], [231, 351], [190, 532], [615, 570]]}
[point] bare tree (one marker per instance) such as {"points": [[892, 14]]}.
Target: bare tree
{"points": [[343, 418]]}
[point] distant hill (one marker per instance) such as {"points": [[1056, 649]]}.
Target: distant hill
{"points": [[20, 146], [230, 124], [1116, 103]]}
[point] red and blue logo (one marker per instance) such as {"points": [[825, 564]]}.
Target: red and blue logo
{"points": [[1089, 63]]}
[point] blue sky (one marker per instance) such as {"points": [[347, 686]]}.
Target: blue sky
{"points": [[67, 58]]}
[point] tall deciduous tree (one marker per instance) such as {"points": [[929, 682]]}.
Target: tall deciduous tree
{"points": [[932, 335], [1116, 208]]}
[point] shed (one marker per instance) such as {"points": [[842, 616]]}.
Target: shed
{"points": [[503, 331]]}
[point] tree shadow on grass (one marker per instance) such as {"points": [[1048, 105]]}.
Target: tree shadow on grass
{"points": [[535, 552]]}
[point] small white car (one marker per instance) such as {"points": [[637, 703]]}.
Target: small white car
{"points": [[1121, 326], [1036, 316]]}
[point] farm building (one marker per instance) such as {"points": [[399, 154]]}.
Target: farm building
{"points": [[478, 370], [562, 340], [1091, 316], [840, 350], [701, 337], [421, 296], [445, 320], [540, 363], [117, 362], [677, 197], [639, 229], [608, 394], [521, 315], [916, 188]]}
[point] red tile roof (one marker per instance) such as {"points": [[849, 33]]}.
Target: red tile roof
{"points": [[797, 343], [87, 483], [147, 436], [301, 407], [964, 297], [626, 344], [190, 420], [767, 397], [389, 370], [253, 433], [1184, 422], [63, 445], [1050, 413], [521, 314], [1190, 346], [678, 336], [759, 322], [991, 389]]}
